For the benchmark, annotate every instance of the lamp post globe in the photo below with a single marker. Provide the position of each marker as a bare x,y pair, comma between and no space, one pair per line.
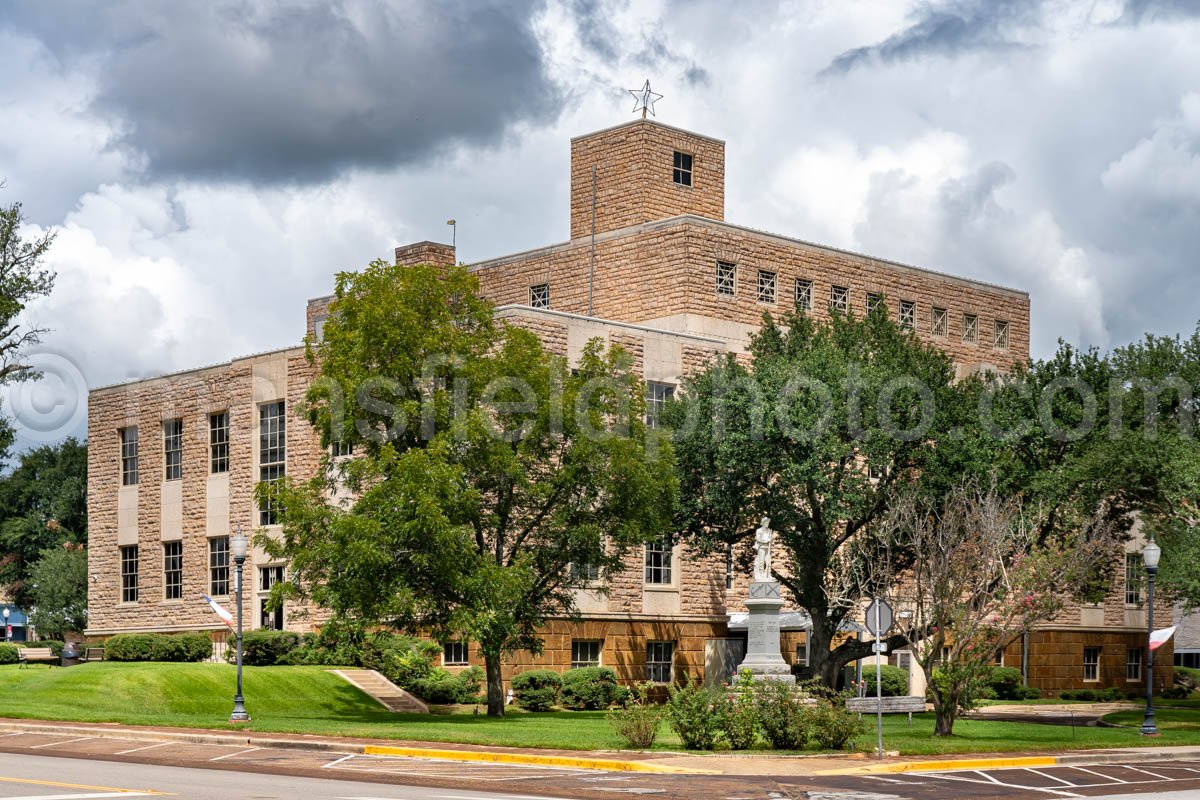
239,548
1150,556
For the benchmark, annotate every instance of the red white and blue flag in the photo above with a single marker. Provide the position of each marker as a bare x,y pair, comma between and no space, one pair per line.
1159,638
220,611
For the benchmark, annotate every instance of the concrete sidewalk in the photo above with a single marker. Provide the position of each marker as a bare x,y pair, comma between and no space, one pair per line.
665,763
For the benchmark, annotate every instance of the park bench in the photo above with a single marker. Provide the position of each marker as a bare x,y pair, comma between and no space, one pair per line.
888,705
31,655
95,653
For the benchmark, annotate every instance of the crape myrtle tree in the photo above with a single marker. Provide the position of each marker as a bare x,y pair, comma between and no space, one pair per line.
489,481
820,432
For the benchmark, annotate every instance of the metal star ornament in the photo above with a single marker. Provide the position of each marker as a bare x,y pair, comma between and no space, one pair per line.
645,99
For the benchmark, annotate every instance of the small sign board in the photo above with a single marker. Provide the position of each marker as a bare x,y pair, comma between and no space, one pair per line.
879,647
879,613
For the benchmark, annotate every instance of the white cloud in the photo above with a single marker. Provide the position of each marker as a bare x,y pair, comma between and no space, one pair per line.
1164,168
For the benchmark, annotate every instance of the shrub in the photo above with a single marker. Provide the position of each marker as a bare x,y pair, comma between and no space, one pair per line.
321,650
8,653
637,720
693,712
1006,683
780,710
1175,693
537,689
895,680
737,717
1111,695
1085,695
128,647
263,648
158,647
443,687
589,688
1030,693
830,725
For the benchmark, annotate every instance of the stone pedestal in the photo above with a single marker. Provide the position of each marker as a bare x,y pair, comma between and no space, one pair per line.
763,658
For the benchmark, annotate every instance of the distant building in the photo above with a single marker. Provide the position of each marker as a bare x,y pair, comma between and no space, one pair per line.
651,265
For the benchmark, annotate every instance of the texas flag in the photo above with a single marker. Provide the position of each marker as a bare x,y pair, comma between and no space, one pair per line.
1159,638
227,617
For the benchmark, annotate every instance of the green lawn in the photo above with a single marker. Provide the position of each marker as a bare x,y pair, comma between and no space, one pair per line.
311,700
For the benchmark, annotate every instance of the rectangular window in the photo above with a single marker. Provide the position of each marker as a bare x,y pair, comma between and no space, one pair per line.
1091,663
682,171
269,618
1133,664
585,573
585,653
657,395
129,456
218,566
939,322
970,328
766,286
908,314
129,574
658,561
218,442
839,299
454,654
802,653
341,449
173,570
173,449
272,453
728,567
803,294
874,300
539,295
726,278
1134,572
660,662
1000,335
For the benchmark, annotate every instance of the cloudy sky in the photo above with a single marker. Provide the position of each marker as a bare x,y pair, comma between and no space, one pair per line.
209,165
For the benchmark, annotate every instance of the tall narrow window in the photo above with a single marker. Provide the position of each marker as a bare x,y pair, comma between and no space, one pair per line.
766,286
728,567
658,561
1000,335
970,328
1091,663
681,172
908,314
218,566
173,449
539,295
129,456
1134,574
268,617
803,294
939,322
173,570
585,653
657,395
802,653
129,574
660,661
726,279
218,442
839,299
874,301
272,453
1133,664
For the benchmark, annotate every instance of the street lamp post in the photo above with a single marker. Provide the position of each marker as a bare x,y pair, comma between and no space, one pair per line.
1150,556
238,546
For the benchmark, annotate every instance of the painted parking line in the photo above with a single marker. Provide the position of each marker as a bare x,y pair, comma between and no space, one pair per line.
143,747
66,741
238,753
435,768
1064,781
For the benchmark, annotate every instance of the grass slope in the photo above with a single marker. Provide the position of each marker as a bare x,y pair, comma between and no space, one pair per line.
312,700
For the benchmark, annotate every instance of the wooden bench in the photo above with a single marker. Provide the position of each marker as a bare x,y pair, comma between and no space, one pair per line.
31,655
93,654
889,705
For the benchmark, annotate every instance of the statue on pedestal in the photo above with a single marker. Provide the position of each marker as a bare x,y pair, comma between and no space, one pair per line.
763,537
763,657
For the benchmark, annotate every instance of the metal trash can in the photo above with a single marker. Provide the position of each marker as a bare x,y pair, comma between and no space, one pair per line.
70,654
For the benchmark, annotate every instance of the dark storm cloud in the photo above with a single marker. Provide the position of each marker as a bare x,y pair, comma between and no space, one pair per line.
945,30
285,92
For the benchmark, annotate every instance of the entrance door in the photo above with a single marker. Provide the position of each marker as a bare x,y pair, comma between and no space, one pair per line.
721,659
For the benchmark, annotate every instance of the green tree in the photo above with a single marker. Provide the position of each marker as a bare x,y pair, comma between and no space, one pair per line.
43,503
490,479
820,433
58,584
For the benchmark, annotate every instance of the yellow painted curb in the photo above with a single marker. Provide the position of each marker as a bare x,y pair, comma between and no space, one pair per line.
571,762
947,765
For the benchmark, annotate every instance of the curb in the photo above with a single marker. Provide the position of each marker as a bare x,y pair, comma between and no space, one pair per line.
441,754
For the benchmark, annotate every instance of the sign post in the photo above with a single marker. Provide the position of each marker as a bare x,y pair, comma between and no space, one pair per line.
879,620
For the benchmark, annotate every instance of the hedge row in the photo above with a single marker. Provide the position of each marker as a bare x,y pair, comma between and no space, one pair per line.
178,647
585,688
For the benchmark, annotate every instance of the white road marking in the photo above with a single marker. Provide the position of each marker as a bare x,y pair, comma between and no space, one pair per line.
993,781
1146,772
238,753
55,744
1109,778
1063,781
144,747
79,796
335,762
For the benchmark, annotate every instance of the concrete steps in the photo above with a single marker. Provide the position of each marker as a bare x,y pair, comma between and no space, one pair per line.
389,695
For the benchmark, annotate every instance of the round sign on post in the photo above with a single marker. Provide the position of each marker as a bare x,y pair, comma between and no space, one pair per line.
879,612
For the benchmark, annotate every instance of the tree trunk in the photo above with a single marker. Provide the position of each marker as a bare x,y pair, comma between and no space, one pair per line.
495,685
945,710
825,667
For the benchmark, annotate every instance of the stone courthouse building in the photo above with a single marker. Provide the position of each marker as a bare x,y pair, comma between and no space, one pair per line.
652,265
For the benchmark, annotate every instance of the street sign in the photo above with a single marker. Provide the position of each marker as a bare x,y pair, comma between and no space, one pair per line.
879,647
879,613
